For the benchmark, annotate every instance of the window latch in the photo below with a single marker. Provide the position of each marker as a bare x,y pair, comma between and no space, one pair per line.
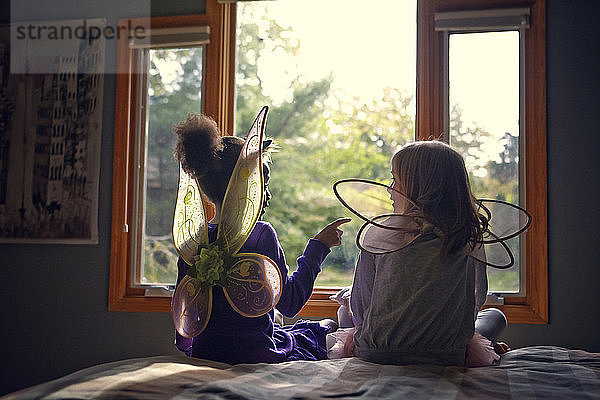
494,299
159,291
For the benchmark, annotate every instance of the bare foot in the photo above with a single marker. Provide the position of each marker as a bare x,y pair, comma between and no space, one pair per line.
501,348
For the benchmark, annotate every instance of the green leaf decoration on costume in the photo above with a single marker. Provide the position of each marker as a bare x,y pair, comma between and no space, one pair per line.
209,266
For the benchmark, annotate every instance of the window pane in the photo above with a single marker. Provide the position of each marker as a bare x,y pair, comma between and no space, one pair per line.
484,123
340,82
174,90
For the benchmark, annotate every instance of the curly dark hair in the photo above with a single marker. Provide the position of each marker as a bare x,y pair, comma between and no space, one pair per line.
205,154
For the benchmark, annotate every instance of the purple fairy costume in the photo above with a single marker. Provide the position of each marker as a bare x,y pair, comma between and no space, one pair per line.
232,338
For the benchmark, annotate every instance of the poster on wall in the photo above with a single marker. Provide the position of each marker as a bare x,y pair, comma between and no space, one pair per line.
51,93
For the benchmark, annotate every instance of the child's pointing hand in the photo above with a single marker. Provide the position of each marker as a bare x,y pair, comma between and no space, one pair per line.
331,235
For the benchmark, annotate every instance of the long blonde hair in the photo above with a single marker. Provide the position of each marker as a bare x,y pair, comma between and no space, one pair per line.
433,175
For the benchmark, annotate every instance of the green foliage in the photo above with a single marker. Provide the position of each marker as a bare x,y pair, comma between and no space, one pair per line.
492,179
174,85
160,262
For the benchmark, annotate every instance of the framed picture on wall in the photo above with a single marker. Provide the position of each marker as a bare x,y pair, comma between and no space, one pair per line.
51,93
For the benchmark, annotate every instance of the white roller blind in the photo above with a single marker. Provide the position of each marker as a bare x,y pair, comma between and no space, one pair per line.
482,20
172,37
236,1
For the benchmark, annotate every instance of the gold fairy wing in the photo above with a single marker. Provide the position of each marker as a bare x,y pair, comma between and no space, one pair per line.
244,196
189,221
253,285
191,307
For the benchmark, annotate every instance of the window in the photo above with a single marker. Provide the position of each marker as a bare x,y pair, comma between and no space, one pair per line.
179,67
221,77
329,123
453,90
170,84
483,106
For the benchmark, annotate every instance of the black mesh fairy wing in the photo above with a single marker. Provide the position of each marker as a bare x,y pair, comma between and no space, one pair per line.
505,222
385,231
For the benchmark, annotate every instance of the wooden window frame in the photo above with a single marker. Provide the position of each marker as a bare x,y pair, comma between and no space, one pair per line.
533,307
217,101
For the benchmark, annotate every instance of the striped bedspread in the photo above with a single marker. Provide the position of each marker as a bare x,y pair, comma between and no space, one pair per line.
541,372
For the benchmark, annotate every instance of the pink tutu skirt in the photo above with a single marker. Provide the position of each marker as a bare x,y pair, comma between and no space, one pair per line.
339,343
480,352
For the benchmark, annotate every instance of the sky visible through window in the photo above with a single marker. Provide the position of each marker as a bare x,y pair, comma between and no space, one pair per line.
366,46
484,83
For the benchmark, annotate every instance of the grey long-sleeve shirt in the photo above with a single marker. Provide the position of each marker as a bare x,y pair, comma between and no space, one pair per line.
412,307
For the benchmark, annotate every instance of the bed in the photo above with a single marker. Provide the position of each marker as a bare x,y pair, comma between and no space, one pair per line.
539,372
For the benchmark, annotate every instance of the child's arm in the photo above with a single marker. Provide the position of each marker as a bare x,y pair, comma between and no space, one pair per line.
297,288
331,235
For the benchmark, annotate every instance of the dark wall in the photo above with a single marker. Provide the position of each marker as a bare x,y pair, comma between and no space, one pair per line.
573,142
53,298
